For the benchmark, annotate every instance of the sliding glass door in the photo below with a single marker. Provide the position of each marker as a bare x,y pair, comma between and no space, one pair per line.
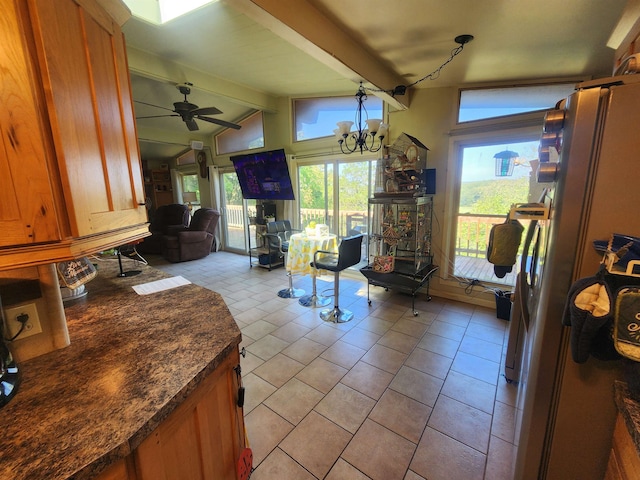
355,187
316,193
335,193
332,192
236,213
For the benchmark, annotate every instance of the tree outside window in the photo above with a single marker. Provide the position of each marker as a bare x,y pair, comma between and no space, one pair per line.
190,184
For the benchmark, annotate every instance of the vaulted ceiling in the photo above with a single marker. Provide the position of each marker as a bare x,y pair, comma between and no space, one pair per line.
241,55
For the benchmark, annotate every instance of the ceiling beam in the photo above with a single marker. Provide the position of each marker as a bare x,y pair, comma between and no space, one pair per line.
304,26
626,30
151,66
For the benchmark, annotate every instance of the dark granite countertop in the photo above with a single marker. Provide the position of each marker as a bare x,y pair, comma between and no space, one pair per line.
131,361
629,408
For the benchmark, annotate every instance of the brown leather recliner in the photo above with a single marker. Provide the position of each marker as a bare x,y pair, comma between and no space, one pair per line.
192,242
165,217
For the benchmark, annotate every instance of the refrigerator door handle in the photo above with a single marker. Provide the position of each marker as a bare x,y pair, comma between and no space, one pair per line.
523,294
523,286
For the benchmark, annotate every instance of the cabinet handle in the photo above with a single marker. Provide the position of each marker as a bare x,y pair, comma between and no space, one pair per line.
141,204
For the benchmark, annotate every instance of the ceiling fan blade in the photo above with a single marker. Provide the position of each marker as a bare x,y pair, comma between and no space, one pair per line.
152,105
220,122
191,125
158,116
206,111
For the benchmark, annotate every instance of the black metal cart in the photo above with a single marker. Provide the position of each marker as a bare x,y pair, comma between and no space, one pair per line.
404,282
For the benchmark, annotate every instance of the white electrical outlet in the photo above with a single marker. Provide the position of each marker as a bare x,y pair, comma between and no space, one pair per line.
32,325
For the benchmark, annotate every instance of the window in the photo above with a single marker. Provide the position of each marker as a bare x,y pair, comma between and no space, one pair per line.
317,117
162,11
483,197
335,192
249,137
483,103
236,214
190,184
480,193
190,190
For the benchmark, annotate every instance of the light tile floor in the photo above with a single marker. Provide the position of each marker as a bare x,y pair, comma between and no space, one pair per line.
385,396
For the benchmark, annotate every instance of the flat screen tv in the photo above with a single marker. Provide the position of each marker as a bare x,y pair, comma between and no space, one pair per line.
264,175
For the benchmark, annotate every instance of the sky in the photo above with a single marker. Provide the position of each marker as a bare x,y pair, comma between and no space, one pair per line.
479,162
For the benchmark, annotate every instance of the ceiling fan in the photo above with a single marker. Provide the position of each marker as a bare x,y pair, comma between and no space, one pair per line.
189,111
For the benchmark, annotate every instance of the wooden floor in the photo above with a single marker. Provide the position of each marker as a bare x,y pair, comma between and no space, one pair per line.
481,269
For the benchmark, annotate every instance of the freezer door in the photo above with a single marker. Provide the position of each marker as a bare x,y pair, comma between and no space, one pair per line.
585,412
543,351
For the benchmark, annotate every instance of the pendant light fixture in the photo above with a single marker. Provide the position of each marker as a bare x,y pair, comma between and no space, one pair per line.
370,138
363,139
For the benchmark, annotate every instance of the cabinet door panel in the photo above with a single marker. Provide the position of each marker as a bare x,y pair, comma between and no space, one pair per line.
107,99
200,440
218,416
121,470
27,212
128,121
87,115
57,28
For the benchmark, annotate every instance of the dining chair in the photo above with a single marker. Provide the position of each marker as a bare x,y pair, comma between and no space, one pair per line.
349,254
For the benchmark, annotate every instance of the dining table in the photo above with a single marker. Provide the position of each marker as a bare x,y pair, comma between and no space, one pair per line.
302,248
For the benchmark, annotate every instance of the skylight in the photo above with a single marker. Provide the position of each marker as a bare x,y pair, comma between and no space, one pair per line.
162,11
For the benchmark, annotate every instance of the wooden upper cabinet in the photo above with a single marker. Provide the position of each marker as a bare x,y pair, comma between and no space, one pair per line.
27,211
70,173
82,56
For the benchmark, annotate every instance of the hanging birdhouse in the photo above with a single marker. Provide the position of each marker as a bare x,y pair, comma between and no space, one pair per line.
505,161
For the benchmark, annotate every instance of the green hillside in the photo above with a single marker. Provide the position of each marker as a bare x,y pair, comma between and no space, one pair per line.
492,196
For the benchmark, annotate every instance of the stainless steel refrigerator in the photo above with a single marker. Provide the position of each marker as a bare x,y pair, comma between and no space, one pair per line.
565,411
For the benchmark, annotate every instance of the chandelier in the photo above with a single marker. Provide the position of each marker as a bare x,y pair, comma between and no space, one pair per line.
370,138
363,139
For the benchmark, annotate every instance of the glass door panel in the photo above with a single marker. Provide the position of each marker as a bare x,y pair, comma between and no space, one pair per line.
486,195
336,193
234,213
355,187
316,194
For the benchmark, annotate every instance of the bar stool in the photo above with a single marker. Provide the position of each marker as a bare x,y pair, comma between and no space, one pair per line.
349,254
278,234
314,300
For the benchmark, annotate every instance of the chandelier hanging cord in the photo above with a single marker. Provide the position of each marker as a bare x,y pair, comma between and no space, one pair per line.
462,40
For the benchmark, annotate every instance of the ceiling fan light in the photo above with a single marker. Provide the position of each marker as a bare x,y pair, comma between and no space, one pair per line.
189,111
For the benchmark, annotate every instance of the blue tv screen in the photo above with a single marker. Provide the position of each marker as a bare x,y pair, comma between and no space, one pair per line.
264,175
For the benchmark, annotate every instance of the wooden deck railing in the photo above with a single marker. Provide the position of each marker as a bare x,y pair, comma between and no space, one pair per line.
472,236
471,240
349,220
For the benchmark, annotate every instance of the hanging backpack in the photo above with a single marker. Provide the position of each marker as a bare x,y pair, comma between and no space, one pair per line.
504,242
